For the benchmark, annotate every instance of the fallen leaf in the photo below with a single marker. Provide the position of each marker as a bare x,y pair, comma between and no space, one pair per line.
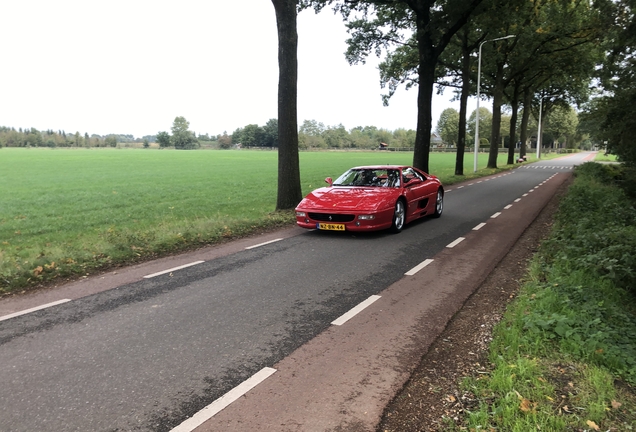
616,405
450,398
593,425
38,271
525,405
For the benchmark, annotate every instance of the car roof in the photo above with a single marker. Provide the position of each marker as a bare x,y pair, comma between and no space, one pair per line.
380,167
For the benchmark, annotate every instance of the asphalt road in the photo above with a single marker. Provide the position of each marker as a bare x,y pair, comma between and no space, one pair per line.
148,353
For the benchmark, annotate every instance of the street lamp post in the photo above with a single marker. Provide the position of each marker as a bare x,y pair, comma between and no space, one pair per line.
478,85
539,128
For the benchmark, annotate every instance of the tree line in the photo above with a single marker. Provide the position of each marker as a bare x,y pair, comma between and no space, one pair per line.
315,135
561,130
312,135
31,137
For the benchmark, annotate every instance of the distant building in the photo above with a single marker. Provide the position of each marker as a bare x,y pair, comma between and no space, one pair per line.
436,140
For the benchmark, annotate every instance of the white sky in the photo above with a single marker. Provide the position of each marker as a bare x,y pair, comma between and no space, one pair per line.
132,66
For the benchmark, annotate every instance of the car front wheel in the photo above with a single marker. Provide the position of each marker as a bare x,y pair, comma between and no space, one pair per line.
398,217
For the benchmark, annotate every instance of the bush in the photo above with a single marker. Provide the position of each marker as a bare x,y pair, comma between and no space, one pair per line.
596,227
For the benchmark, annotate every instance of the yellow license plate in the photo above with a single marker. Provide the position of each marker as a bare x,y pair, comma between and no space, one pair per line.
331,227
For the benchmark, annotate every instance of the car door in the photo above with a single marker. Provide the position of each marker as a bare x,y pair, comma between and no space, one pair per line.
419,192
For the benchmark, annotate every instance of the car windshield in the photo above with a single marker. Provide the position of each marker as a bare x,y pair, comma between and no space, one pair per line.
368,177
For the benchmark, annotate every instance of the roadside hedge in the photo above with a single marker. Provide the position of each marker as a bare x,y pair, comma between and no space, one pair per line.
595,228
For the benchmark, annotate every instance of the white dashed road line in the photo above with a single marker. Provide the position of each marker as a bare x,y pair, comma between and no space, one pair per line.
37,308
263,244
356,310
418,267
215,407
173,269
456,242
480,226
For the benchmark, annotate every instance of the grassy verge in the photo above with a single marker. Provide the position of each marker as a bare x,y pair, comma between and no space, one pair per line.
604,157
70,212
564,356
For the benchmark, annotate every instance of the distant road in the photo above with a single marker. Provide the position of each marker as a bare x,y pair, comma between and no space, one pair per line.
146,354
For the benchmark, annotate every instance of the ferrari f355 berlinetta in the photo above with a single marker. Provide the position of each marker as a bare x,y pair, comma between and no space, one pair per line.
369,198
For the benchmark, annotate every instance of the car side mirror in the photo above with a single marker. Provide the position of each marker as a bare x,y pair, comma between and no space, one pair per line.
329,180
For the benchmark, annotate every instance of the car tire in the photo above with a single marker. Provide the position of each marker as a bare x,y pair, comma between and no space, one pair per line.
399,217
439,203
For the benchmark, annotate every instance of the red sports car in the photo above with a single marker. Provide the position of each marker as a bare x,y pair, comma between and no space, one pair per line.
368,198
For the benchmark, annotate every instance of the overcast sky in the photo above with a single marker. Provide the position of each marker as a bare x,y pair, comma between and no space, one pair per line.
132,66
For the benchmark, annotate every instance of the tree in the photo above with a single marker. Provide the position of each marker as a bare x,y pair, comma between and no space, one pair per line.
382,24
289,191
163,138
111,140
237,136
182,138
404,138
458,61
360,139
562,123
312,128
485,124
252,136
270,133
614,109
448,126
337,137
225,141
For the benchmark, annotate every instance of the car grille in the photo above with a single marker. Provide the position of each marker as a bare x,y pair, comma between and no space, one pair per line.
329,217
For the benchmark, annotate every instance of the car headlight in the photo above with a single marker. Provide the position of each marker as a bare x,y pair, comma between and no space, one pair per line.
366,217
301,214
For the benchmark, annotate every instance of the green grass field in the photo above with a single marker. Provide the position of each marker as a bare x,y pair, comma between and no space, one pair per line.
73,211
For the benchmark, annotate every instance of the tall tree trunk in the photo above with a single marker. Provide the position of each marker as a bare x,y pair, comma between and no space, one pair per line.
495,133
512,143
424,120
527,103
463,110
426,70
289,190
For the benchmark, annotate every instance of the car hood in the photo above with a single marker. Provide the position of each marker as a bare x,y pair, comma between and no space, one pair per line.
349,198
